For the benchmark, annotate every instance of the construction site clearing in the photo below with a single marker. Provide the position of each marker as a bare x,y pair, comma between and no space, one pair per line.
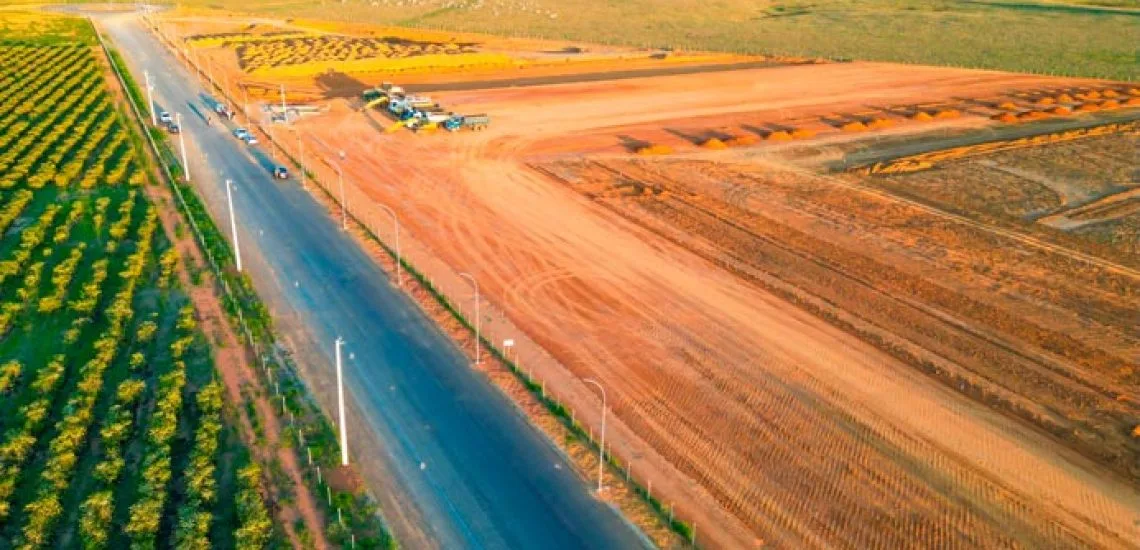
798,356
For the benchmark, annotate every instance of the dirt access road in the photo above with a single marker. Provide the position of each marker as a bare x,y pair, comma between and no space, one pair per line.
762,422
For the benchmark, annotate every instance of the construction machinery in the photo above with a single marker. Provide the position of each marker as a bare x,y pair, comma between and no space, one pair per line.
381,95
473,122
418,112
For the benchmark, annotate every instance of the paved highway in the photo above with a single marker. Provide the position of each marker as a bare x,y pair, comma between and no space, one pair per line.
480,476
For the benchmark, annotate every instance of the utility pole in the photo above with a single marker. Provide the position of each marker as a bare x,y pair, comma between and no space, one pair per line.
340,405
478,318
396,222
150,98
182,145
602,447
233,224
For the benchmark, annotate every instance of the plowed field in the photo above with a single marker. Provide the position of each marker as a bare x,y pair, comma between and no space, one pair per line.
791,360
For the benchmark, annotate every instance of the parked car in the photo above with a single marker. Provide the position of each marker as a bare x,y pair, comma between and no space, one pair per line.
280,173
173,127
250,139
165,117
241,133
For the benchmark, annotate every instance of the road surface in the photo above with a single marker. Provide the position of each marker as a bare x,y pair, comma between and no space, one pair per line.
478,474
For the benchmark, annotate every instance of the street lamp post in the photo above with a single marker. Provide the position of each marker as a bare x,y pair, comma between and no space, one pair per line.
182,145
340,405
396,222
272,147
150,98
478,318
233,224
284,113
343,204
245,104
602,447
301,154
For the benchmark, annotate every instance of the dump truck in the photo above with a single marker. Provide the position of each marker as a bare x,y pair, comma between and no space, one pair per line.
473,122
419,100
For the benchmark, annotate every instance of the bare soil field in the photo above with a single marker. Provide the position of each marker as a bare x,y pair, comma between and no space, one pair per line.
791,360
830,368
1083,193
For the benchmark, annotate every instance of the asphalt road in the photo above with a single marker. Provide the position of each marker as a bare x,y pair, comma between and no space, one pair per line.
480,476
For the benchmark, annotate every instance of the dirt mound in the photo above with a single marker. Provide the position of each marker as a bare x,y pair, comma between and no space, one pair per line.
1006,117
1045,101
779,135
1088,108
1109,93
880,123
1032,115
1065,98
854,126
1109,104
1007,105
921,116
655,150
714,143
1060,110
803,133
1132,101
742,140
1134,91
948,113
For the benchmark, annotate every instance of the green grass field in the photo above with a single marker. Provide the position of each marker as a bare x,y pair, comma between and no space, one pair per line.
1042,37
115,433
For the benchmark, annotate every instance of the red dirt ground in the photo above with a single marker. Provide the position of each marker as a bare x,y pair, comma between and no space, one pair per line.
758,419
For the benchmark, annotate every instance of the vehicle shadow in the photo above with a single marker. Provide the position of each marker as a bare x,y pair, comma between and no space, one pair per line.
264,160
209,101
196,111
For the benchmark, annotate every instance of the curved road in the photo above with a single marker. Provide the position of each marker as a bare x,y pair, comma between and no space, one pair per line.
478,474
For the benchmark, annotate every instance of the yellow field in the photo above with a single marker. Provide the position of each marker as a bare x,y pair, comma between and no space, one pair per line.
419,63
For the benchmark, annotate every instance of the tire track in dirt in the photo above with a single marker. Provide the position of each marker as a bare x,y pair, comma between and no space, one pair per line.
943,468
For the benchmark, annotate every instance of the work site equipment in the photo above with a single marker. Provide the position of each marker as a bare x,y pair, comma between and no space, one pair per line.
381,95
473,122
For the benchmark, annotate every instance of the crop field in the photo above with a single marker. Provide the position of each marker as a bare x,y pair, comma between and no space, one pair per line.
319,58
1033,36
116,432
256,55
